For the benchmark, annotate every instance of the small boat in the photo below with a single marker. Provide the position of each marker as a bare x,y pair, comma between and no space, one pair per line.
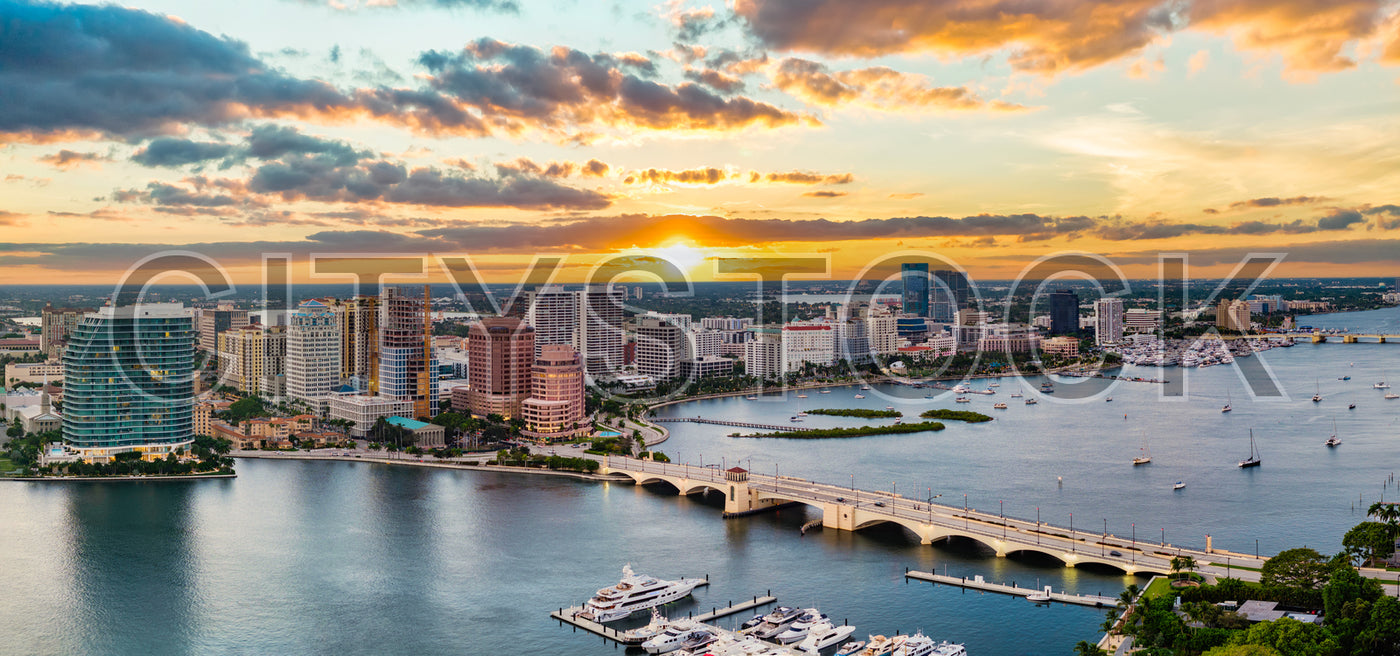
1345,378
1017,396
889,407
1228,407
1351,407
801,396
651,630
993,384
946,648
881,646
1000,406
1332,441
1178,485
851,648
962,399
1145,456
824,392
775,622
795,418
1382,385
698,640
1108,400
865,387
860,396
672,638
1317,398
1039,596
751,623
1031,401
751,398
823,635
1392,395
1253,460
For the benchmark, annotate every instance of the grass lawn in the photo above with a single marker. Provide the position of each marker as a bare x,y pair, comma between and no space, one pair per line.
1159,587
7,467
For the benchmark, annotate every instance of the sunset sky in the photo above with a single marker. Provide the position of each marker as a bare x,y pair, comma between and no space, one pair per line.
990,131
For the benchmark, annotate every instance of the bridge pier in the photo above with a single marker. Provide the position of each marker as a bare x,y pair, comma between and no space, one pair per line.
740,499
1319,339
1349,339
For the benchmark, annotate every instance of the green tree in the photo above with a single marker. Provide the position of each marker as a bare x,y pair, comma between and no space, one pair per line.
1182,564
1243,650
1086,648
1369,542
1293,638
1296,568
1382,634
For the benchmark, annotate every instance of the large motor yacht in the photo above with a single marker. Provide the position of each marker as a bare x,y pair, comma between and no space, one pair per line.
635,593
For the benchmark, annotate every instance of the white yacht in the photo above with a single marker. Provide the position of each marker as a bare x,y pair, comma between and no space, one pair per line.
799,628
823,635
825,391
851,648
1031,401
674,636
1040,596
1382,385
775,622
917,645
946,648
963,399
1000,406
651,630
635,593
860,396
881,646
1392,395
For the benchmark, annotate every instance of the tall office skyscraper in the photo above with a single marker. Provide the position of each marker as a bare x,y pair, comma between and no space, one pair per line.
407,370
359,341
661,345
1108,320
600,338
1064,312
129,382
553,313
502,355
915,278
951,294
213,321
313,354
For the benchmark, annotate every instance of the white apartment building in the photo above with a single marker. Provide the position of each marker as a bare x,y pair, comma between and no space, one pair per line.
1137,320
1108,321
365,410
313,354
808,342
763,354
589,320
661,345
881,333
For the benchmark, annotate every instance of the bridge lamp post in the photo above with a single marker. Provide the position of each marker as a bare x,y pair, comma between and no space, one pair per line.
1003,518
1134,542
1104,543
964,511
1037,524
1256,548
1073,544
1164,537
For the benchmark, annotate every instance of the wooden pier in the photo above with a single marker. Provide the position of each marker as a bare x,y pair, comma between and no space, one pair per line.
976,583
570,616
725,422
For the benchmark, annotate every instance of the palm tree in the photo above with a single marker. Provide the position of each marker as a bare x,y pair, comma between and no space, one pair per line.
1086,648
1388,513
1128,595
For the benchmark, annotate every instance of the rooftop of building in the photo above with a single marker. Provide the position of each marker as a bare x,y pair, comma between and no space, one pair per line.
411,424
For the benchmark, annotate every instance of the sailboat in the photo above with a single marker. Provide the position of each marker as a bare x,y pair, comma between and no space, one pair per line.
1317,398
1146,456
1333,441
1382,385
1253,460
1227,407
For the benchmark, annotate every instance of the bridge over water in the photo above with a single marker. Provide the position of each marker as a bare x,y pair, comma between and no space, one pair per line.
851,509
1316,338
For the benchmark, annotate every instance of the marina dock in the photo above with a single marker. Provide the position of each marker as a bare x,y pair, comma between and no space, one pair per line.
724,422
976,583
570,616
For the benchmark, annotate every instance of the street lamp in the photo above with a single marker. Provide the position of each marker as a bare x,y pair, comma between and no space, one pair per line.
1037,524
1103,544
1134,542
1073,544
1164,537
1003,518
964,511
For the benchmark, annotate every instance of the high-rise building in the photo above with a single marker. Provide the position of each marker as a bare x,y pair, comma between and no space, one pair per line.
313,354
358,319
706,343
1108,321
1233,315
553,313
56,324
555,409
590,320
763,354
1064,312
852,341
661,345
915,278
951,293
881,331
407,371
129,382
600,336
213,321
808,343
502,354
253,359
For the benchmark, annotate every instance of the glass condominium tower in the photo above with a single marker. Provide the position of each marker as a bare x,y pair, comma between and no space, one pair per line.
129,382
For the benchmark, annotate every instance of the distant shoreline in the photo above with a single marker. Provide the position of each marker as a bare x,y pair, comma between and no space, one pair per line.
467,466
114,479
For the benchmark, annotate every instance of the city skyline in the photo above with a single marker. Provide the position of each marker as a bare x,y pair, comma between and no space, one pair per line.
991,134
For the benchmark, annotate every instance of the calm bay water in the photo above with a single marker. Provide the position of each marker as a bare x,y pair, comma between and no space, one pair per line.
352,558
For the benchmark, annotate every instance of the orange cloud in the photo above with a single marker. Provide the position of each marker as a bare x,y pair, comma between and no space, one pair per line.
1311,35
66,159
1043,36
877,87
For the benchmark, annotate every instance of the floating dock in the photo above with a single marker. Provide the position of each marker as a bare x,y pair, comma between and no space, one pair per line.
976,583
570,616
